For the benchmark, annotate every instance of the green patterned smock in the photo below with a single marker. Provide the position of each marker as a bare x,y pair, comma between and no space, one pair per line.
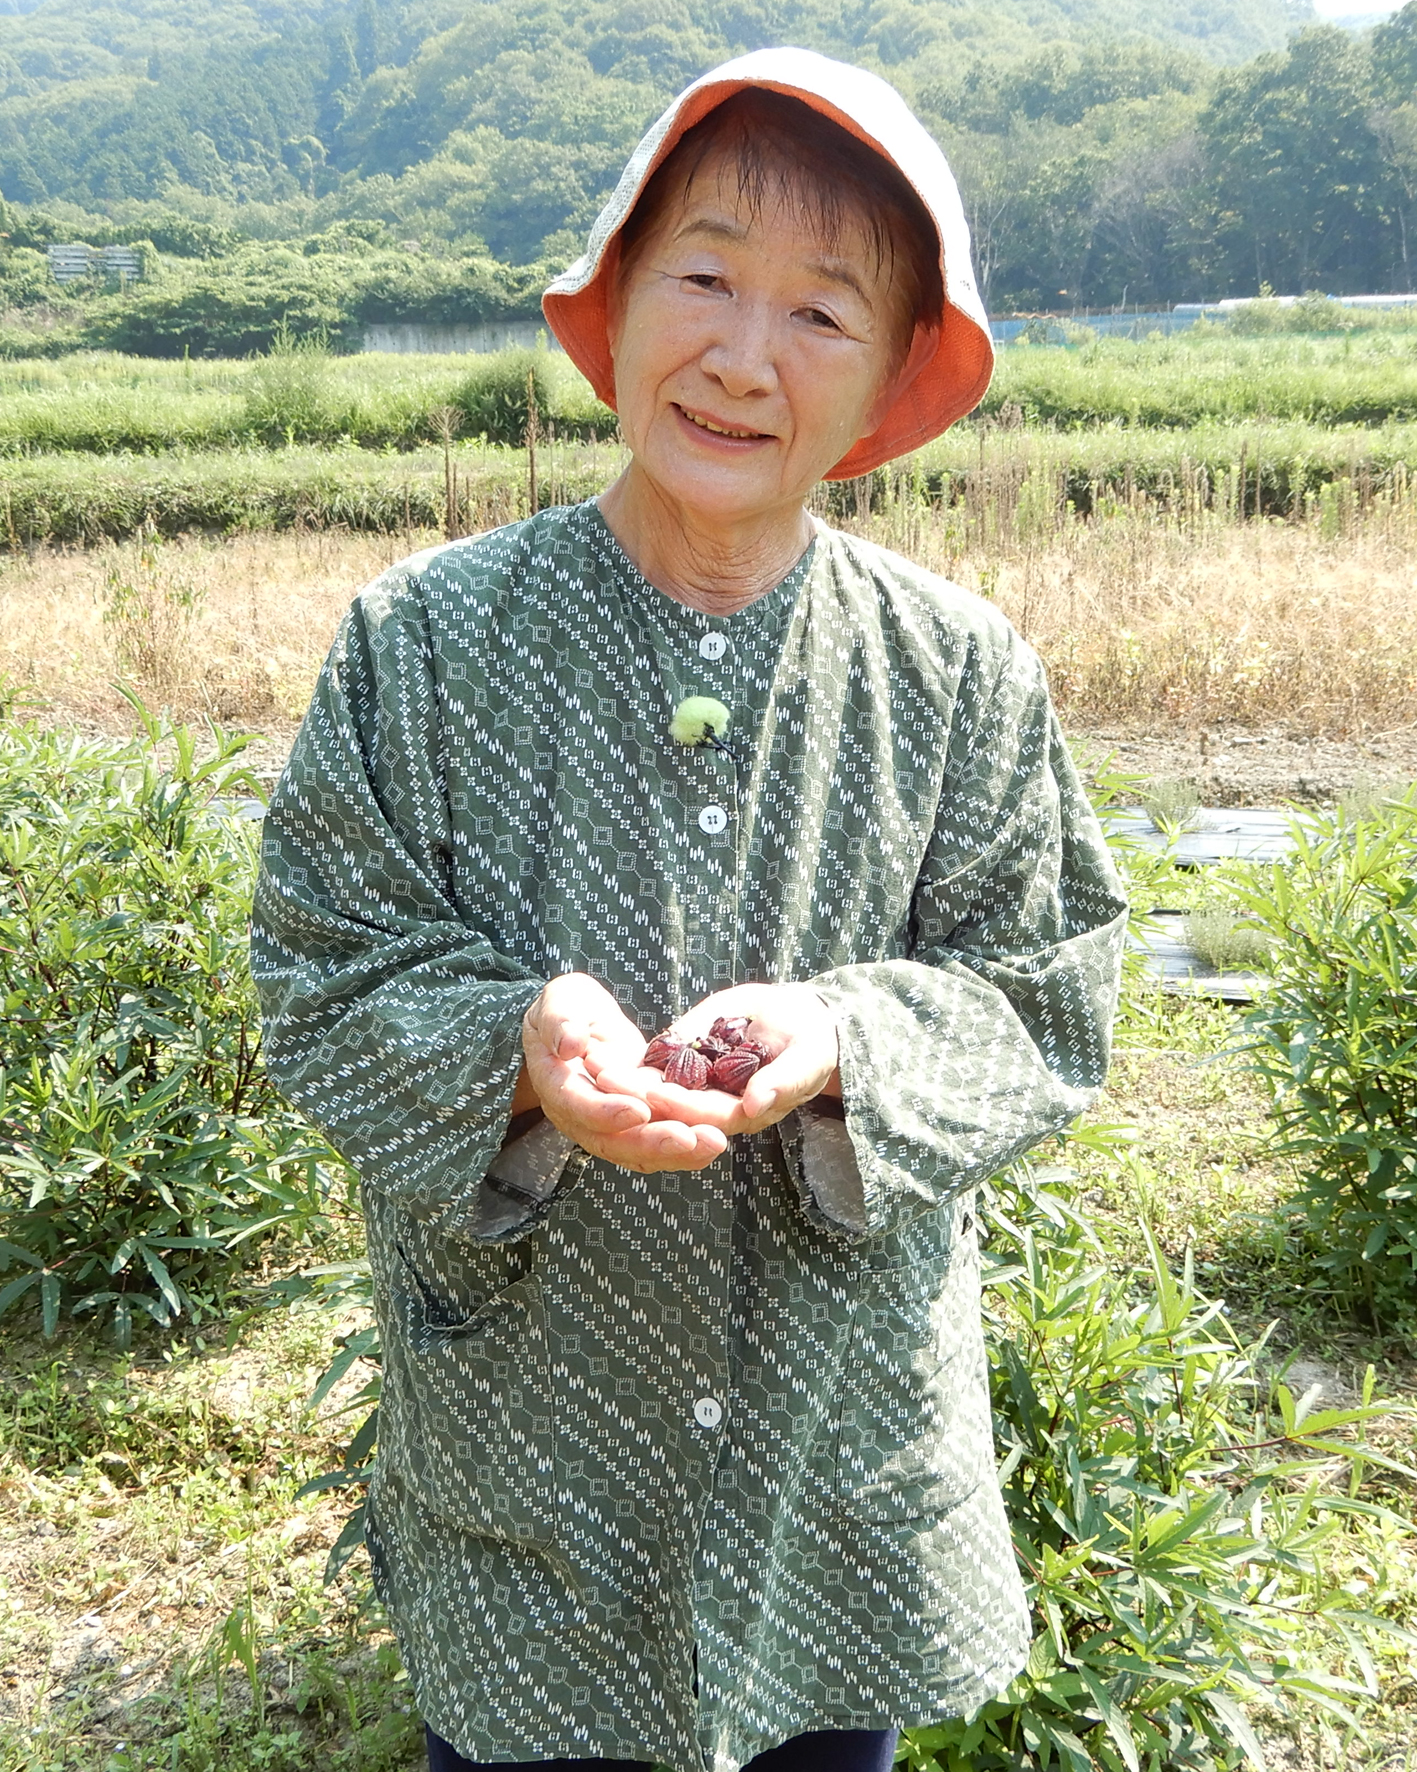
678,1466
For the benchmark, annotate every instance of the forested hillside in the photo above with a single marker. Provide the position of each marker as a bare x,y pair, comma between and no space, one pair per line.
1109,150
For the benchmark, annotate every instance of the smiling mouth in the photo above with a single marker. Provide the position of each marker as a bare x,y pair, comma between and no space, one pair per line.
707,424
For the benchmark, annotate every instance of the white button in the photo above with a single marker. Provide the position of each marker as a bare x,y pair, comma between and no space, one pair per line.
708,1412
713,646
712,820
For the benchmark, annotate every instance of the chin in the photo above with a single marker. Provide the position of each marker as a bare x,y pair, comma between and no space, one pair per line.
719,494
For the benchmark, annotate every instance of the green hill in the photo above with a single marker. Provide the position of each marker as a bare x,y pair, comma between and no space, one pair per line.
1109,150
271,101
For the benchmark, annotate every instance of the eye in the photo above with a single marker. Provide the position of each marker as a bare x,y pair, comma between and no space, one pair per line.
702,279
819,318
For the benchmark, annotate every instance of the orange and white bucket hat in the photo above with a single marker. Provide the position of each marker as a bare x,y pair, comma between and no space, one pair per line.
951,383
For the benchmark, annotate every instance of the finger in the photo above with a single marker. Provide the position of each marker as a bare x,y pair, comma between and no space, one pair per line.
569,1009
762,1095
565,1033
582,1098
695,1107
797,1074
663,1145
618,1077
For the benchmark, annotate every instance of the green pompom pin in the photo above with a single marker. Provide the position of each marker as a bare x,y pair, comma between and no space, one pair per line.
700,719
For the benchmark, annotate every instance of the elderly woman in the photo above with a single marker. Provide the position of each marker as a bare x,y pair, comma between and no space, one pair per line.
684,1449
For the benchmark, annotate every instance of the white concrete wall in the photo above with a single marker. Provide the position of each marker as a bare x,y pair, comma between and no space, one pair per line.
407,336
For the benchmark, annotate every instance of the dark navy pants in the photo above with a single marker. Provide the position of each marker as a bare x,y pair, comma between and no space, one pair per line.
828,1750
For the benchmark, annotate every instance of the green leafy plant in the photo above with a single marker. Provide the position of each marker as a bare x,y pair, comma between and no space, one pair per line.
1368,796
288,393
1170,1507
494,401
144,1153
1336,1041
344,1287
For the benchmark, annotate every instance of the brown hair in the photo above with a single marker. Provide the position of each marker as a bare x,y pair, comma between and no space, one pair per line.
782,148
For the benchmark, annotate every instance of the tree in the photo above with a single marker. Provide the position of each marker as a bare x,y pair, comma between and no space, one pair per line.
1394,52
1296,170
1396,132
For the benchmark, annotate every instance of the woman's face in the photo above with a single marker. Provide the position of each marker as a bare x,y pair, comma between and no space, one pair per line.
748,358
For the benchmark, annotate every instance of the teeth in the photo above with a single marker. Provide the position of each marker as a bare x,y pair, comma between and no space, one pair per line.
718,430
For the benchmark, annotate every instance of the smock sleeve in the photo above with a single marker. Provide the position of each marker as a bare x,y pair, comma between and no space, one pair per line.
995,1032
390,1017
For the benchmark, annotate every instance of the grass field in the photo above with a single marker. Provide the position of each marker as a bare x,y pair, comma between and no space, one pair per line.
1143,622
1190,542
100,402
102,446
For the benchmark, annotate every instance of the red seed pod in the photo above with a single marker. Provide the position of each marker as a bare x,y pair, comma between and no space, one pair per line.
732,1071
661,1049
687,1068
729,1029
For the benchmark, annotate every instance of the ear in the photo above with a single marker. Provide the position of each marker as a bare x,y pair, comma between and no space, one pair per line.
923,346
614,296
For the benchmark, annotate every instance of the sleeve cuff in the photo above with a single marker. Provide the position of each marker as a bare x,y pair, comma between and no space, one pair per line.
819,1152
526,1177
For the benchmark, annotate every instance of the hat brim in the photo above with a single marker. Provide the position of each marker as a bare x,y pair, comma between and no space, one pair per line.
951,383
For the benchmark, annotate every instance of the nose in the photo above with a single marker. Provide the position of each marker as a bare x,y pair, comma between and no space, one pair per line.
742,357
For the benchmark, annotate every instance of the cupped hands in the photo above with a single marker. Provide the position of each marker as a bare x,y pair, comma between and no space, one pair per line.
585,1064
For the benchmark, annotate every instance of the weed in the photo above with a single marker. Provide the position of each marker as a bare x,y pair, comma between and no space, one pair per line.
1164,1506
1171,805
143,1151
1226,941
1370,795
288,398
148,612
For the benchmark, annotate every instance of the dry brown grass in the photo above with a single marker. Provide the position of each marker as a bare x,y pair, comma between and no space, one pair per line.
1144,623
1151,624
234,629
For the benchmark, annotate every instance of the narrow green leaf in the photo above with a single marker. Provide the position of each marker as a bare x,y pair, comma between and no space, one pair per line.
1236,1726
49,1291
157,1267
1113,1720
345,1545
16,1290
364,1440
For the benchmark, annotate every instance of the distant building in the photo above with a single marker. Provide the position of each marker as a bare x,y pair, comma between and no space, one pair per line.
72,263
122,262
68,264
1193,310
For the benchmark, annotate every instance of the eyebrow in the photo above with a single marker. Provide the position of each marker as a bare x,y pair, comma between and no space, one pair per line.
835,270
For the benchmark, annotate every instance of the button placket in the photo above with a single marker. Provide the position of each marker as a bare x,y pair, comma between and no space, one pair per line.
711,808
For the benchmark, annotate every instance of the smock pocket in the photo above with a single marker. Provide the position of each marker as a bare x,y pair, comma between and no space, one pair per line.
913,1431
479,1445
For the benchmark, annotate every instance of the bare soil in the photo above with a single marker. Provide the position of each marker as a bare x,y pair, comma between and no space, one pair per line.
1259,766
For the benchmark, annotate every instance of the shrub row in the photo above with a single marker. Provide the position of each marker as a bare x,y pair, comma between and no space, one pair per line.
1019,476
71,498
1177,384
104,401
297,394
262,291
